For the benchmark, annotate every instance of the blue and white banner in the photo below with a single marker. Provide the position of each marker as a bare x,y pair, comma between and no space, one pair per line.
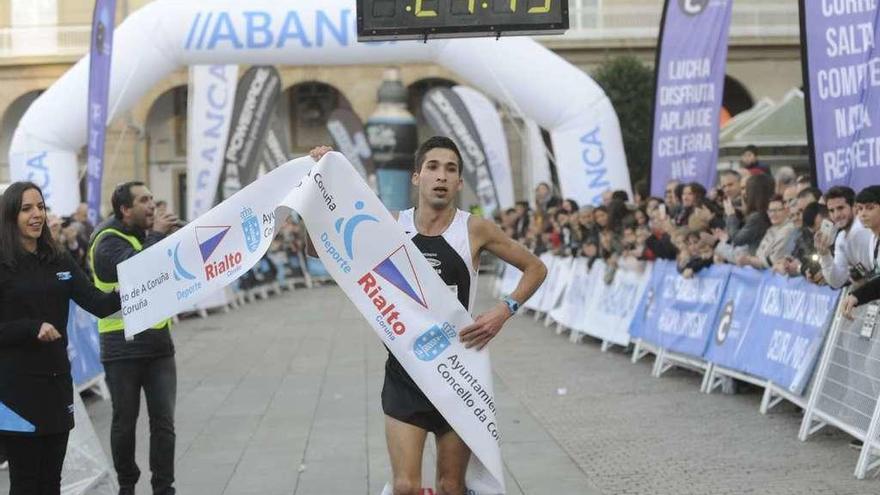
682,313
612,306
691,59
534,303
557,281
726,347
211,96
842,80
788,328
100,56
83,346
646,310
371,259
572,302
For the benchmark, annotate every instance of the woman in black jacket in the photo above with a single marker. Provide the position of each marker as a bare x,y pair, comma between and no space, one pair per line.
37,281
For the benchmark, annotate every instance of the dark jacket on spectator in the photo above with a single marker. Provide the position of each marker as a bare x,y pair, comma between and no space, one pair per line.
659,246
868,292
35,379
697,263
749,233
110,251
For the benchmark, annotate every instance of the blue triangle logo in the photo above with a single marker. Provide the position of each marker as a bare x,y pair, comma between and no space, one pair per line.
393,268
10,421
209,245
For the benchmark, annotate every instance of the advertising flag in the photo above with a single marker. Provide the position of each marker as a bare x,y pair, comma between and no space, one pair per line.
841,65
691,59
100,55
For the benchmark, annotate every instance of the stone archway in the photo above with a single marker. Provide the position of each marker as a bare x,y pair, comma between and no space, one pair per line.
305,108
8,123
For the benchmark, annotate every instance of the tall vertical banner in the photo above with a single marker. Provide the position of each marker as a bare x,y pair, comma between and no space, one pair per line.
491,131
100,55
276,149
691,58
211,95
841,66
449,116
257,93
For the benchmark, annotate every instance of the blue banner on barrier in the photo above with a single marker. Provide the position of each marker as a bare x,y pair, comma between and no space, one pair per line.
682,314
732,325
316,268
788,327
646,310
83,346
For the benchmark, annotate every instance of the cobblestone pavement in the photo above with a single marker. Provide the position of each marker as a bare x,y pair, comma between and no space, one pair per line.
632,433
282,396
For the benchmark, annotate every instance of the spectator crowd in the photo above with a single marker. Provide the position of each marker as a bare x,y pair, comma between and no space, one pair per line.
752,217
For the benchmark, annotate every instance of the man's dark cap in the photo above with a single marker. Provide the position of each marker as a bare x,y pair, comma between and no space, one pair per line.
870,194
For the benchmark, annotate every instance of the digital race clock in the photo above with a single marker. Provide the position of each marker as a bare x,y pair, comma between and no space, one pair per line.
423,19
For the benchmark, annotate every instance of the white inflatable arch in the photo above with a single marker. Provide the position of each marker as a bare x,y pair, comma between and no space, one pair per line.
166,34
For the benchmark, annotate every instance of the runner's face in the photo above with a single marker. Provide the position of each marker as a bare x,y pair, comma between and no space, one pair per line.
439,178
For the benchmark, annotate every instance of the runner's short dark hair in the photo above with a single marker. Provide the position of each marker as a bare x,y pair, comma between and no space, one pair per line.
433,143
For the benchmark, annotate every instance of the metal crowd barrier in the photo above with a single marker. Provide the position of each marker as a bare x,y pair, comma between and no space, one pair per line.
782,334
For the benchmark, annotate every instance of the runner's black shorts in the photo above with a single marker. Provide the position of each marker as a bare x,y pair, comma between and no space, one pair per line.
404,401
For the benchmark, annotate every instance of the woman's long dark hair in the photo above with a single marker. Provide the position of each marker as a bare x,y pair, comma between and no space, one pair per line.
11,247
759,189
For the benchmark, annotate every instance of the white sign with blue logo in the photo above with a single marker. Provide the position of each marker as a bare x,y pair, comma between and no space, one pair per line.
613,305
371,259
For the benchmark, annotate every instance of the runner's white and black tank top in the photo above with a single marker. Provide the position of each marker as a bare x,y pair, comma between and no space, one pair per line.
450,255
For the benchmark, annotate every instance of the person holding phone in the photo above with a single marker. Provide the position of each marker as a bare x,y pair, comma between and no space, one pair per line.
852,257
38,279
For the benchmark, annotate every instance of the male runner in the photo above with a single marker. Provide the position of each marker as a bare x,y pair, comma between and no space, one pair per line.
451,240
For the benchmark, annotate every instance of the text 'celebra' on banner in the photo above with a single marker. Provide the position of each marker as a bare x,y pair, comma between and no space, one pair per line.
689,90
371,259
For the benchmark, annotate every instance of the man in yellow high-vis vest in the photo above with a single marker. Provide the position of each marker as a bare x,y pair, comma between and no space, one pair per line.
146,363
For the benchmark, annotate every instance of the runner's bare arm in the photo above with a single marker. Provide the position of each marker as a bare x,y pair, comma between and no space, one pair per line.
485,235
